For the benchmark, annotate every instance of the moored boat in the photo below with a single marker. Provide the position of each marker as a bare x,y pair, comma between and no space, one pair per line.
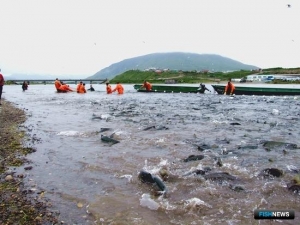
250,90
170,89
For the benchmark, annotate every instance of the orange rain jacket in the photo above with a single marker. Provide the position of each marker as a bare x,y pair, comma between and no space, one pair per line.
57,84
229,89
78,87
147,85
65,87
119,88
108,89
82,89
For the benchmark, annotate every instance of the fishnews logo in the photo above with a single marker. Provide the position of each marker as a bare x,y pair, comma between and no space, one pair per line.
262,214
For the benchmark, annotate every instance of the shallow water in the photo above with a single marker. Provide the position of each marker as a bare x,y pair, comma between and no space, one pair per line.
92,182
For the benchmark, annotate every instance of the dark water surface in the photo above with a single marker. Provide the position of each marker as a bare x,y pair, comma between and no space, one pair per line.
89,181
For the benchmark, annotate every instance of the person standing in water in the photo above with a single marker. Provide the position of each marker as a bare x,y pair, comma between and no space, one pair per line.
91,88
79,87
229,89
1,84
202,88
119,88
82,89
108,88
64,88
57,84
24,86
147,85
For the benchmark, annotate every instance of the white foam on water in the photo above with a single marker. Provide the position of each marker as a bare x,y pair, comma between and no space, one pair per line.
70,133
275,112
167,205
219,122
160,140
194,202
163,162
102,116
146,201
118,132
263,201
127,176
291,168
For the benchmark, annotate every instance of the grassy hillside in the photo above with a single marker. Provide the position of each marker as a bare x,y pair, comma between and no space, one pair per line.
280,70
137,76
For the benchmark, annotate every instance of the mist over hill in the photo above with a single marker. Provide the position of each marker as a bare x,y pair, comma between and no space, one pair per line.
173,61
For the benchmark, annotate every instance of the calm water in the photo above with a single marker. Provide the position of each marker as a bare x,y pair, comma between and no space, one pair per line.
92,182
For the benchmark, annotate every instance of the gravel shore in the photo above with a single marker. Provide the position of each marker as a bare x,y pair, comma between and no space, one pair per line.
18,204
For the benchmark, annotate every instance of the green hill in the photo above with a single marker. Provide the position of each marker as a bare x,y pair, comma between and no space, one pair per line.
137,76
173,61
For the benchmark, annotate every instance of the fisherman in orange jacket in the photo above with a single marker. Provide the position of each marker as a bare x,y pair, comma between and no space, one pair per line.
108,88
119,88
82,89
229,89
147,85
64,88
57,84
78,86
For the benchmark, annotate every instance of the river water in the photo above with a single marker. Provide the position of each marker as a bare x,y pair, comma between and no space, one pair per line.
89,181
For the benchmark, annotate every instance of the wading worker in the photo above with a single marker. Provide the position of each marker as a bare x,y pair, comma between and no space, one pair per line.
24,86
91,88
119,88
79,87
64,88
229,89
147,85
82,89
108,88
202,88
1,84
57,84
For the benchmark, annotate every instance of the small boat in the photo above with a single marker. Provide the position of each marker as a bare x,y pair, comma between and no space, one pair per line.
250,90
170,89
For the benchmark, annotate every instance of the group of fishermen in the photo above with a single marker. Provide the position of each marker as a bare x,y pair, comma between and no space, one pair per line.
61,87
229,88
119,88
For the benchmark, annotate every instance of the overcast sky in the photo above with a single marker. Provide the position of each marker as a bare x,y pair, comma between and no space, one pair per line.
81,37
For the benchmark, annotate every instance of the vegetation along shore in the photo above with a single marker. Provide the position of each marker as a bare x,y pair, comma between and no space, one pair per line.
161,76
18,203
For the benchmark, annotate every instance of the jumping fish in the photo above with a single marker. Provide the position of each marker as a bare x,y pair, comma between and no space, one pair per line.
149,178
271,172
108,139
294,188
104,129
219,176
159,127
194,158
274,144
